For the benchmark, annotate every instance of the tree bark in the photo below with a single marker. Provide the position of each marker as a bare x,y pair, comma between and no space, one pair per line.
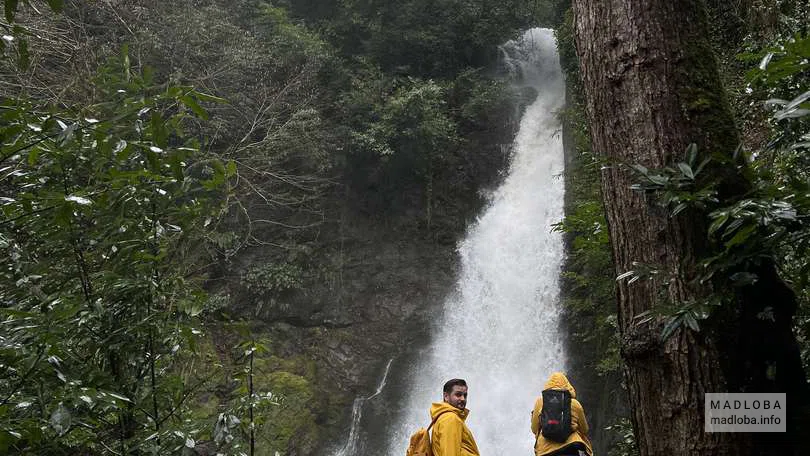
652,87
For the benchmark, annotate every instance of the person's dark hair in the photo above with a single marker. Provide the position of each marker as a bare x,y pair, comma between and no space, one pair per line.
448,387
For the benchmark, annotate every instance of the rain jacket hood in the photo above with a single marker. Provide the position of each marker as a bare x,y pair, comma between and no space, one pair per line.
559,381
579,425
439,407
451,436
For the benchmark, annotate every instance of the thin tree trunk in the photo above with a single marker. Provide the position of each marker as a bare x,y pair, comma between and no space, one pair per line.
652,88
251,393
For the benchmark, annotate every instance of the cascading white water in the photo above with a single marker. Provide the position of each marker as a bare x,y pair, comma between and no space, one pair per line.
350,449
500,330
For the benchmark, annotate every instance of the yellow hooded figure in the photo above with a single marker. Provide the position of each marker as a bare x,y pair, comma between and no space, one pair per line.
451,437
578,440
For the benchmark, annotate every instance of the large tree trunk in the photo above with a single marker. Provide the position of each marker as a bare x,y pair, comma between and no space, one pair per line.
652,88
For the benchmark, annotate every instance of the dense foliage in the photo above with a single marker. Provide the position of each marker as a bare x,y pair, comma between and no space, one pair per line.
426,38
98,285
774,220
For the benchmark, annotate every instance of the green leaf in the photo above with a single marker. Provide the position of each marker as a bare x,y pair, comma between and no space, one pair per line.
733,226
209,98
679,208
686,170
125,62
702,165
640,169
691,153
33,154
763,64
741,236
119,146
192,104
63,215
24,58
191,307
7,439
120,397
644,317
152,159
625,275
720,219
659,180
148,74
80,200
671,326
176,167
56,5
691,322
159,133
10,9
219,168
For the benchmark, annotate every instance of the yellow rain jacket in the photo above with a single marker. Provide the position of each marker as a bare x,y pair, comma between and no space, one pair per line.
578,423
451,437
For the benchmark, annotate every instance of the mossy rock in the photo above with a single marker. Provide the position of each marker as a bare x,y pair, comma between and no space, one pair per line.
290,426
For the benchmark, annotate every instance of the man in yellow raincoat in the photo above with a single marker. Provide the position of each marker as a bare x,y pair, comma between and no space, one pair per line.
578,440
451,436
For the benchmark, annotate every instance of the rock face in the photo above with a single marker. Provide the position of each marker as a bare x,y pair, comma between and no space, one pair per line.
386,278
349,333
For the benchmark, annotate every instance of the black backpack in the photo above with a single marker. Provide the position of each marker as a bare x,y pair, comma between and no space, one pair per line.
555,418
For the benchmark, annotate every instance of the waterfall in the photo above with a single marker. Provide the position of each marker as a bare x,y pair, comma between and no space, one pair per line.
500,328
351,447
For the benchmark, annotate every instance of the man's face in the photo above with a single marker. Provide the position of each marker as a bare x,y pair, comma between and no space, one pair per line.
457,397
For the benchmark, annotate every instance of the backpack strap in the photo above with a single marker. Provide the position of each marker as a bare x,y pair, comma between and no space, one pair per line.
437,418
539,427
